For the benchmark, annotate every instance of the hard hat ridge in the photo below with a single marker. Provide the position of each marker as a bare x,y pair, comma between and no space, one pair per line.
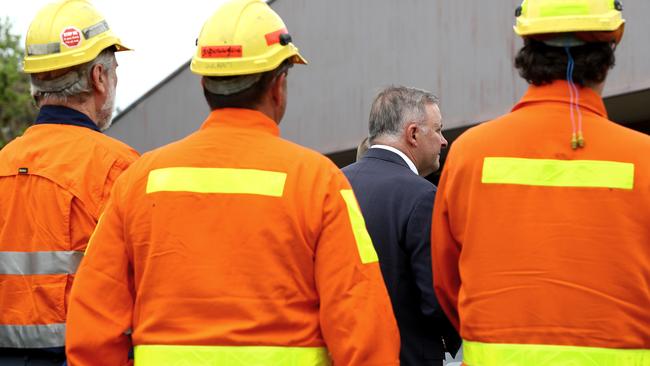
243,37
67,33
585,20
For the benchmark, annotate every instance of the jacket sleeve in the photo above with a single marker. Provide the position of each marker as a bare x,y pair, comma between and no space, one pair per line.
356,316
418,247
101,301
445,253
116,169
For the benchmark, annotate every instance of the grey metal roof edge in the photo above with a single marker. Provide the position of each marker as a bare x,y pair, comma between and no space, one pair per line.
155,88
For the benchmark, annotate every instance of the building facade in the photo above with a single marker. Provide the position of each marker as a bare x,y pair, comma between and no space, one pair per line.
462,50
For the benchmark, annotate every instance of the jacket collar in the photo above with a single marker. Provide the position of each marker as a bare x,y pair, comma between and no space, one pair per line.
385,155
60,115
558,91
241,118
399,153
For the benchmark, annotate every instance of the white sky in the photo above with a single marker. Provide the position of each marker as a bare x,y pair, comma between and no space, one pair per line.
162,33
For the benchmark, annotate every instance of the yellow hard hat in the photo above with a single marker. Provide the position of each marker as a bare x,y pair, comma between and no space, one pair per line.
67,33
243,37
535,17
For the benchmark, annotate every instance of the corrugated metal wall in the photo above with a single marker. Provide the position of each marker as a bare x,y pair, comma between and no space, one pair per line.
462,50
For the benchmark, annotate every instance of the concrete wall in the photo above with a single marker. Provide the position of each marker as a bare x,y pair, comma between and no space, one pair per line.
462,50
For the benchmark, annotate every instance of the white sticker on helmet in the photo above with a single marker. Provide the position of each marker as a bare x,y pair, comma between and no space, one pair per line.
71,37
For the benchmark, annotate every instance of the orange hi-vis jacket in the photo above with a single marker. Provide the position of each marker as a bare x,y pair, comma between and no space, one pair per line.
232,247
541,253
54,182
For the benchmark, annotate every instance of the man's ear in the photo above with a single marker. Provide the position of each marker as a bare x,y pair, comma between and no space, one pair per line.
278,88
411,134
99,78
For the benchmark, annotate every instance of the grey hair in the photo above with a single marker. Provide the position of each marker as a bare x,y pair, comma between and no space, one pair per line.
394,107
73,84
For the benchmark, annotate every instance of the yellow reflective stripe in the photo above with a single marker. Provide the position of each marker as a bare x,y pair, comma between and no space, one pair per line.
557,9
500,354
217,180
558,173
160,355
364,243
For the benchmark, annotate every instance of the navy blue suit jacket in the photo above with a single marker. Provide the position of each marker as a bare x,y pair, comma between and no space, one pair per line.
397,205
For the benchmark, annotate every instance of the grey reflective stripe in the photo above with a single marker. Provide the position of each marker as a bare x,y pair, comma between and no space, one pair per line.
32,336
95,29
43,49
55,47
39,263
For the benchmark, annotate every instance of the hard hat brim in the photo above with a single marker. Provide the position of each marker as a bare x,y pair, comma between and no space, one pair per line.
298,59
55,61
245,66
120,47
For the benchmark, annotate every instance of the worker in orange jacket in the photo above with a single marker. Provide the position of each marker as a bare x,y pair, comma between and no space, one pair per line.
541,226
233,246
56,178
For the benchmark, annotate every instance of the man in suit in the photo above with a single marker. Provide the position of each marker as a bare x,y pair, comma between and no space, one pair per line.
405,137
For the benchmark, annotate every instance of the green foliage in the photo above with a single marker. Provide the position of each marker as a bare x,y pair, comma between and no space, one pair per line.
17,109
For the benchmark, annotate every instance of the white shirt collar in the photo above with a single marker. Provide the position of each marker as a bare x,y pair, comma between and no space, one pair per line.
401,154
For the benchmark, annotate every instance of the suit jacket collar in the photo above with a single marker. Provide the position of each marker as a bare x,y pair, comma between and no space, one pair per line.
386,155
